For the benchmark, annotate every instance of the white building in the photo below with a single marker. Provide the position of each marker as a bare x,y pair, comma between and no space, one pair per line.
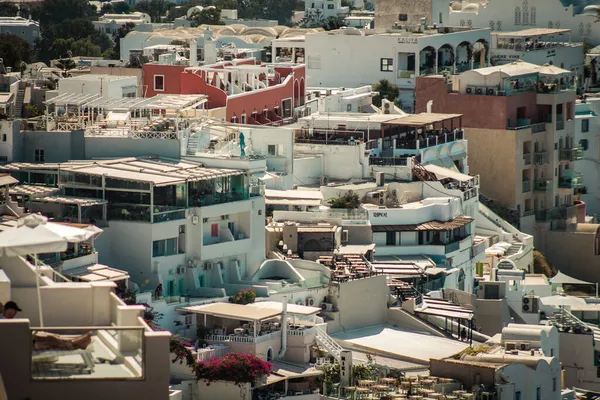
318,11
351,58
111,341
26,29
110,23
587,136
107,86
539,46
513,15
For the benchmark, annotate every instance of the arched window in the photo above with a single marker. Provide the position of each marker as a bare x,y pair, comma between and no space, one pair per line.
532,16
517,15
525,13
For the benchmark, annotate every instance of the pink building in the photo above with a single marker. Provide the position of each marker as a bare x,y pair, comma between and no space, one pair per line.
249,93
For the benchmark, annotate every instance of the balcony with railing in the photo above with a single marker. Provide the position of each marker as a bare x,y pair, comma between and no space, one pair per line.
547,215
429,141
526,186
540,157
87,353
527,158
571,154
570,180
542,185
560,125
535,128
389,161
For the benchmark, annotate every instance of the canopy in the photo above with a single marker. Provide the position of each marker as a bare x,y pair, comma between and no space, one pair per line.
31,236
563,279
72,234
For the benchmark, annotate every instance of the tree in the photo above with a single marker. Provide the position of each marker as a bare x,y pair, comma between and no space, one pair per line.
208,16
117,8
156,9
386,90
85,47
8,10
65,64
14,50
333,23
244,296
349,200
56,11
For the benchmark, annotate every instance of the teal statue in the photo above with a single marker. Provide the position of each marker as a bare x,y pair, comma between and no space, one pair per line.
242,146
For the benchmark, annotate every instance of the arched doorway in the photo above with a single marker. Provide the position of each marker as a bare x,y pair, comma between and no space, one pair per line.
296,93
302,93
481,53
270,354
427,61
445,58
464,55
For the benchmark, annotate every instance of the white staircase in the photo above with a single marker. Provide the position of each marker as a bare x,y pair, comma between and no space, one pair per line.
327,342
515,247
192,145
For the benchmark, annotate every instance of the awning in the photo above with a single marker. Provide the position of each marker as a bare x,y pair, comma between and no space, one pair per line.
234,311
6,179
97,273
293,202
446,173
563,279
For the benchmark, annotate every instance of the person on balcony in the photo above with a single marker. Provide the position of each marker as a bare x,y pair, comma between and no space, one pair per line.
10,310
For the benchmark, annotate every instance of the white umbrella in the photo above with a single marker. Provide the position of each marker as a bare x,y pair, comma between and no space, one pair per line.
32,236
73,234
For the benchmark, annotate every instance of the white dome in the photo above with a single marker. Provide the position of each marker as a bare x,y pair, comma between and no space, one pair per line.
591,10
471,7
456,6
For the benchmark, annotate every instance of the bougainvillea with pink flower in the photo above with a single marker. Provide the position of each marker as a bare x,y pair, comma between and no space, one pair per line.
234,367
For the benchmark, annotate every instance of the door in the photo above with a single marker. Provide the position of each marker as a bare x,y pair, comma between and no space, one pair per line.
181,286
170,288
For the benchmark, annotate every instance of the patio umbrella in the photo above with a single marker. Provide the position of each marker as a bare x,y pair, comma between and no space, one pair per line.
72,234
32,236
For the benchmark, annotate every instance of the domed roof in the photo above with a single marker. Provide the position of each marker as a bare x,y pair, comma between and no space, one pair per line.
591,10
471,7
456,5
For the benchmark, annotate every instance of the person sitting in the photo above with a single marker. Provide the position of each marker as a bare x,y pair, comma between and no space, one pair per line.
10,310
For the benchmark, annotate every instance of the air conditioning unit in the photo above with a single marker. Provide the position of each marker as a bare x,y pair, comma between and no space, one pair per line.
491,91
381,201
326,306
208,266
479,90
530,304
180,270
469,90
524,346
510,346
195,219
310,301
205,220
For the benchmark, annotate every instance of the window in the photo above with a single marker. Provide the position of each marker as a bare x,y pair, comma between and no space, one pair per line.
164,247
584,144
272,150
4,137
330,6
517,395
214,230
234,119
387,64
403,17
554,384
538,393
201,280
243,118
39,155
390,238
585,125
517,15
159,83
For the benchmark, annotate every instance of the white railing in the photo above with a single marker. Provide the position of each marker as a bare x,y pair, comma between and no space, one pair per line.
208,353
301,332
244,339
328,343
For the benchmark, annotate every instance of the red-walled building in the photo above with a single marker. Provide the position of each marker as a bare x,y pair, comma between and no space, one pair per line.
251,93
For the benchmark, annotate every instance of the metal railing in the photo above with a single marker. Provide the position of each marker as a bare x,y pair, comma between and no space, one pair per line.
560,125
336,142
540,157
450,247
526,186
527,158
571,181
571,154
546,215
535,128
430,141
389,161
542,185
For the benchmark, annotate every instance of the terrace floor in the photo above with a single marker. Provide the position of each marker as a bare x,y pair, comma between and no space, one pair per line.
404,344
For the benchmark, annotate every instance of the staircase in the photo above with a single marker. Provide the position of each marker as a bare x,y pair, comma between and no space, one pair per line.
192,145
327,342
515,247
19,102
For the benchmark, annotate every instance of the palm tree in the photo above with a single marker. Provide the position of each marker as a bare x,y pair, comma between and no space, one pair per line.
65,64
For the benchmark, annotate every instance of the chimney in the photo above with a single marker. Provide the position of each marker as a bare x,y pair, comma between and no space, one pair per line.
193,53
